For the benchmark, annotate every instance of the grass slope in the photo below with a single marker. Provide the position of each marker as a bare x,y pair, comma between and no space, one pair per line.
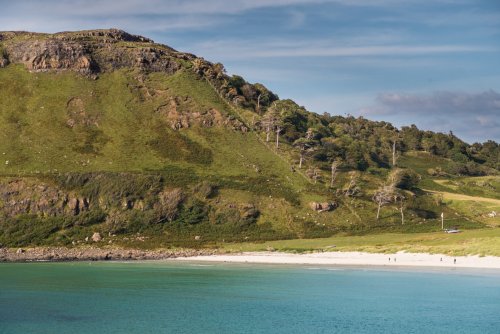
56,123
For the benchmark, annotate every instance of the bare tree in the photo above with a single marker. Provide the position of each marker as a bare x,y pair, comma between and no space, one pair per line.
258,103
395,154
383,196
352,188
399,197
278,130
268,124
335,165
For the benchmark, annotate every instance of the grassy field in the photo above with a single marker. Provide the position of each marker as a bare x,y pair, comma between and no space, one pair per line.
482,186
478,242
482,209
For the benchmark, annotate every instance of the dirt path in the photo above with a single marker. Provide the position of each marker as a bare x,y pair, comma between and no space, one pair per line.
461,197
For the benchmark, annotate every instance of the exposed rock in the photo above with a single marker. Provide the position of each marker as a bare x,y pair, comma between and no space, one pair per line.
315,206
94,254
197,237
88,52
96,237
22,196
321,207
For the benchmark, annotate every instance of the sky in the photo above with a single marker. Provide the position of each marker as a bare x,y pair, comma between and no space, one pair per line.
432,63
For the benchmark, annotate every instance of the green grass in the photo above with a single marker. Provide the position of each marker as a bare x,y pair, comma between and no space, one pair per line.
484,186
480,242
107,139
124,131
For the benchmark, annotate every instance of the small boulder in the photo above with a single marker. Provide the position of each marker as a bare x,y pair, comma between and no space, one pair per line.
96,237
315,206
20,251
321,207
197,237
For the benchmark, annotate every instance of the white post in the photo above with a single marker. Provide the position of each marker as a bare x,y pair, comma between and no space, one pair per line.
442,220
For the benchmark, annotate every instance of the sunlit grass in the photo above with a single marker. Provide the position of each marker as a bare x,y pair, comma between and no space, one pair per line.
478,242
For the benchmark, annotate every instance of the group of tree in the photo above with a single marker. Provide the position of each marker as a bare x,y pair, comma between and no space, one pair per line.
359,143
396,190
356,143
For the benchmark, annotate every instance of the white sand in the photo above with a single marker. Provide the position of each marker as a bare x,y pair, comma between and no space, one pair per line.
355,258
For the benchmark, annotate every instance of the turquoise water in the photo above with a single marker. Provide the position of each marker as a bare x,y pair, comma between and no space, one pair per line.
229,298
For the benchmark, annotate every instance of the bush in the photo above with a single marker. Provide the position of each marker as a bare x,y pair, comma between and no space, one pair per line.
193,212
404,178
168,203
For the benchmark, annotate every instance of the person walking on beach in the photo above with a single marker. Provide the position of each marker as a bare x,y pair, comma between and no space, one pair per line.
454,261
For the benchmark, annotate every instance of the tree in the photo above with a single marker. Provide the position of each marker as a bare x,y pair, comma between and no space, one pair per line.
383,196
399,197
305,145
264,98
335,165
268,124
395,155
278,128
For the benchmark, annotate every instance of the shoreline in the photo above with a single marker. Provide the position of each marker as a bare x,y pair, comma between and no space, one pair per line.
399,259
64,254
333,258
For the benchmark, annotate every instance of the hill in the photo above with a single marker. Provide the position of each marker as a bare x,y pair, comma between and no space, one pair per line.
103,132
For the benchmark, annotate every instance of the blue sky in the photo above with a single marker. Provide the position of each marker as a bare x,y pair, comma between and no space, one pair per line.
435,64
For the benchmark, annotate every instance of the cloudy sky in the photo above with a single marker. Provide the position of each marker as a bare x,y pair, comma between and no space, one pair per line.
433,63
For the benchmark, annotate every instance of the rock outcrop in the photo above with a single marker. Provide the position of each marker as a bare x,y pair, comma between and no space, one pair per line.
20,196
87,52
321,207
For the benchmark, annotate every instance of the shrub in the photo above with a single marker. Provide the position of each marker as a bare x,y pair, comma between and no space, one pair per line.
404,178
168,203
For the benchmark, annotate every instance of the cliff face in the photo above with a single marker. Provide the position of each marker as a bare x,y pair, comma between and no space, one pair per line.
24,196
87,52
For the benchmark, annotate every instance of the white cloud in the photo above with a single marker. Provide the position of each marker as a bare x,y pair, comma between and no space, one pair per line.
324,48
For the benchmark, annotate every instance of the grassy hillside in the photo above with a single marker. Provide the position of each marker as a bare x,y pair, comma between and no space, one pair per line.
170,151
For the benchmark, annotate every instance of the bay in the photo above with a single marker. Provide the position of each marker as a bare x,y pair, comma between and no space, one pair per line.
170,297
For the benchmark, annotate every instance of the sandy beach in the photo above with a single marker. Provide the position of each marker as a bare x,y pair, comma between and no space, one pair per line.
354,258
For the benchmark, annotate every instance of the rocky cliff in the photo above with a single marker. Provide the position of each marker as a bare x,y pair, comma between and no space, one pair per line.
87,52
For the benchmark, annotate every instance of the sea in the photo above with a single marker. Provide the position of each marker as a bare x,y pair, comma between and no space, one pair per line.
179,297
